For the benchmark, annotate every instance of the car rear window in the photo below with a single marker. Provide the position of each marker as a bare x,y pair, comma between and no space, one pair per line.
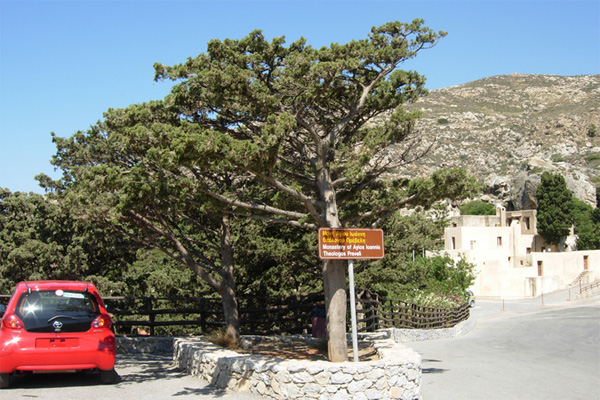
57,311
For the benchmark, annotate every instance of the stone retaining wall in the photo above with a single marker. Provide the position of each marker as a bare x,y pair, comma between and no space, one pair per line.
417,335
396,375
144,344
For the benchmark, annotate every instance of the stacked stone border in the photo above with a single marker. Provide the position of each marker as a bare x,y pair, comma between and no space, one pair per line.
395,375
417,335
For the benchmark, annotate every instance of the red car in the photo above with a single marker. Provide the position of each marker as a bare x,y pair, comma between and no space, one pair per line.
56,326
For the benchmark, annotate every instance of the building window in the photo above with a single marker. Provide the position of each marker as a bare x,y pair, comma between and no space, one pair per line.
453,243
526,220
473,244
540,266
528,250
499,241
585,263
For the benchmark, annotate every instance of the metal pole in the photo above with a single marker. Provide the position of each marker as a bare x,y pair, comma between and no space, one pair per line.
353,309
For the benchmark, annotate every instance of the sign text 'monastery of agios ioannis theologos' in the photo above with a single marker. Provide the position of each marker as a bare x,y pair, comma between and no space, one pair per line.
350,244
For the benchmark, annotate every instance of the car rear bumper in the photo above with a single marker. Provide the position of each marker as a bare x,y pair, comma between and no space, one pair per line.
88,354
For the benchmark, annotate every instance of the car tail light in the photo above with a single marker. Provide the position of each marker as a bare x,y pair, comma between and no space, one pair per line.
102,321
12,322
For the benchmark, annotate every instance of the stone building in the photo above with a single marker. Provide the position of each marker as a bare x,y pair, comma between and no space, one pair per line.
512,260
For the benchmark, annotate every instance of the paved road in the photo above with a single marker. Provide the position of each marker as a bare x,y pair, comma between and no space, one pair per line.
528,351
142,377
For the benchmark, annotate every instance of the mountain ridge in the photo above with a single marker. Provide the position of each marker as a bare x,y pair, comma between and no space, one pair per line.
507,129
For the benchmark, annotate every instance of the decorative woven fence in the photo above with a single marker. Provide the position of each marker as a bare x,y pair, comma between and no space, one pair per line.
375,313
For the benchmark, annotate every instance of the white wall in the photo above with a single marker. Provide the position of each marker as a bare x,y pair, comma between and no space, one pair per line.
508,267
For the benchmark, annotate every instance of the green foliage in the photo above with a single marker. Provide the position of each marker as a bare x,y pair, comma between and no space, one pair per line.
277,260
477,207
555,208
40,239
592,130
424,278
153,273
434,300
587,225
295,119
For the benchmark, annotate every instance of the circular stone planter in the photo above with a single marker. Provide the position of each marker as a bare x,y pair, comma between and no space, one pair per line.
395,375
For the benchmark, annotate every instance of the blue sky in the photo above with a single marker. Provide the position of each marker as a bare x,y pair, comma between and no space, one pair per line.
63,63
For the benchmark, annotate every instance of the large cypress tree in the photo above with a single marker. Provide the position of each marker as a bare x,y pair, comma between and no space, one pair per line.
555,208
290,135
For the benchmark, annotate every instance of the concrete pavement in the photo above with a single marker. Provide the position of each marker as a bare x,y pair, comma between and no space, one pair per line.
142,377
519,349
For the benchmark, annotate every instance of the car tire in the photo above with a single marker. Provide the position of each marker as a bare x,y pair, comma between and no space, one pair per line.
4,381
108,377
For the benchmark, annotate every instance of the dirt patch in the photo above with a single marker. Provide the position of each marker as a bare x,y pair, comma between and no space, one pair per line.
298,349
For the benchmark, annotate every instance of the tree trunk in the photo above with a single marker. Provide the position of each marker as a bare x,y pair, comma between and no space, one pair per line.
334,282
232,318
334,276
227,288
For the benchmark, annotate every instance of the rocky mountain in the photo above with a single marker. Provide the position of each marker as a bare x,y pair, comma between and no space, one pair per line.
506,130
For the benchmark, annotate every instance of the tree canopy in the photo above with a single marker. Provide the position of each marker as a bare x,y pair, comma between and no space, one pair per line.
587,225
555,208
41,239
288,135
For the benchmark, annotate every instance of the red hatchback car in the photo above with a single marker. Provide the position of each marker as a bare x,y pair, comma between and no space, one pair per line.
56,326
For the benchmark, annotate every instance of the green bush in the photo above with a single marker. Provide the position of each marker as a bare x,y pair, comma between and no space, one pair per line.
592,131
477,207
587,228
434,280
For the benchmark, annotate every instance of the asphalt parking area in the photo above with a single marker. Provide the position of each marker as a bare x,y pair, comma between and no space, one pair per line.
527,352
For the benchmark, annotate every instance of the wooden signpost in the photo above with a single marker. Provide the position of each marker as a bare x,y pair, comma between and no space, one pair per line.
351,244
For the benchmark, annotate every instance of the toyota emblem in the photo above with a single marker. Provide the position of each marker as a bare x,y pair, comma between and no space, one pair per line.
57,325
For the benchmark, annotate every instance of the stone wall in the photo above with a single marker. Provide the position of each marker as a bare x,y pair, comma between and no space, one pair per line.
144,344
395,375
417,335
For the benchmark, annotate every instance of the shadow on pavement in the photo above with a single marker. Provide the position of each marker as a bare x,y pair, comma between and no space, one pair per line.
53,380
432,370
146,367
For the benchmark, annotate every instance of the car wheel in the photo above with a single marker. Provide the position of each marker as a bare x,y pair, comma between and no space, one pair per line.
108,377
4,381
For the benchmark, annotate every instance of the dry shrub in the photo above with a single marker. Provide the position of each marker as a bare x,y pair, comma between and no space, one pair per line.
221,338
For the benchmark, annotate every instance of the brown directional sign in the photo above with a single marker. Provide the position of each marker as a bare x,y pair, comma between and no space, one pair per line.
350,244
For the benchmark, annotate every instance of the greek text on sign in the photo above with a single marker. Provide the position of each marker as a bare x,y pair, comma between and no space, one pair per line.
350,244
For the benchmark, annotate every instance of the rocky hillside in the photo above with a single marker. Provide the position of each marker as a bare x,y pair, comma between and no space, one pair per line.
506,130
